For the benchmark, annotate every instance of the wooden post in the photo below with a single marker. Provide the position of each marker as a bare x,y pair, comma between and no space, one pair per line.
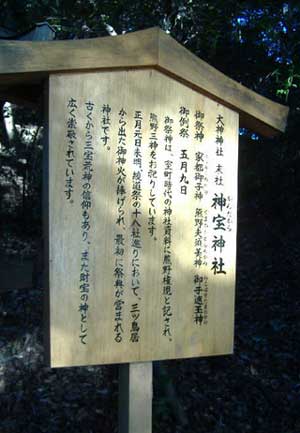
135,397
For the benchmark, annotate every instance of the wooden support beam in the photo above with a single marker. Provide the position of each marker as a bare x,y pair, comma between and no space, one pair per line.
135,397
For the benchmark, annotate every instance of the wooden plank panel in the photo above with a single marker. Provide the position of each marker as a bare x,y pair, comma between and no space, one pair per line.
29,62
162,285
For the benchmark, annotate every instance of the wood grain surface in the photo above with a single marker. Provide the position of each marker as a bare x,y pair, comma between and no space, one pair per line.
160,335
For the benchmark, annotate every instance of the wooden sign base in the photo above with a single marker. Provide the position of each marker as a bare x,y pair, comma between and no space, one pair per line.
135,397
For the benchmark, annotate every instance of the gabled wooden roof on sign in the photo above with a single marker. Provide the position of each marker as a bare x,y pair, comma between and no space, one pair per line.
24,66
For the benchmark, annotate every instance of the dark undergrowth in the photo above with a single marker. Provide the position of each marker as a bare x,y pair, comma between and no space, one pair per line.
255,390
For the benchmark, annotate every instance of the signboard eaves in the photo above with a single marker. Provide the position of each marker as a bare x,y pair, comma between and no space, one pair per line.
28,63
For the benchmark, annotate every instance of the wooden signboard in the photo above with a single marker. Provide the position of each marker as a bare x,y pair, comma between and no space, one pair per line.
140,200
141,193
142,219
